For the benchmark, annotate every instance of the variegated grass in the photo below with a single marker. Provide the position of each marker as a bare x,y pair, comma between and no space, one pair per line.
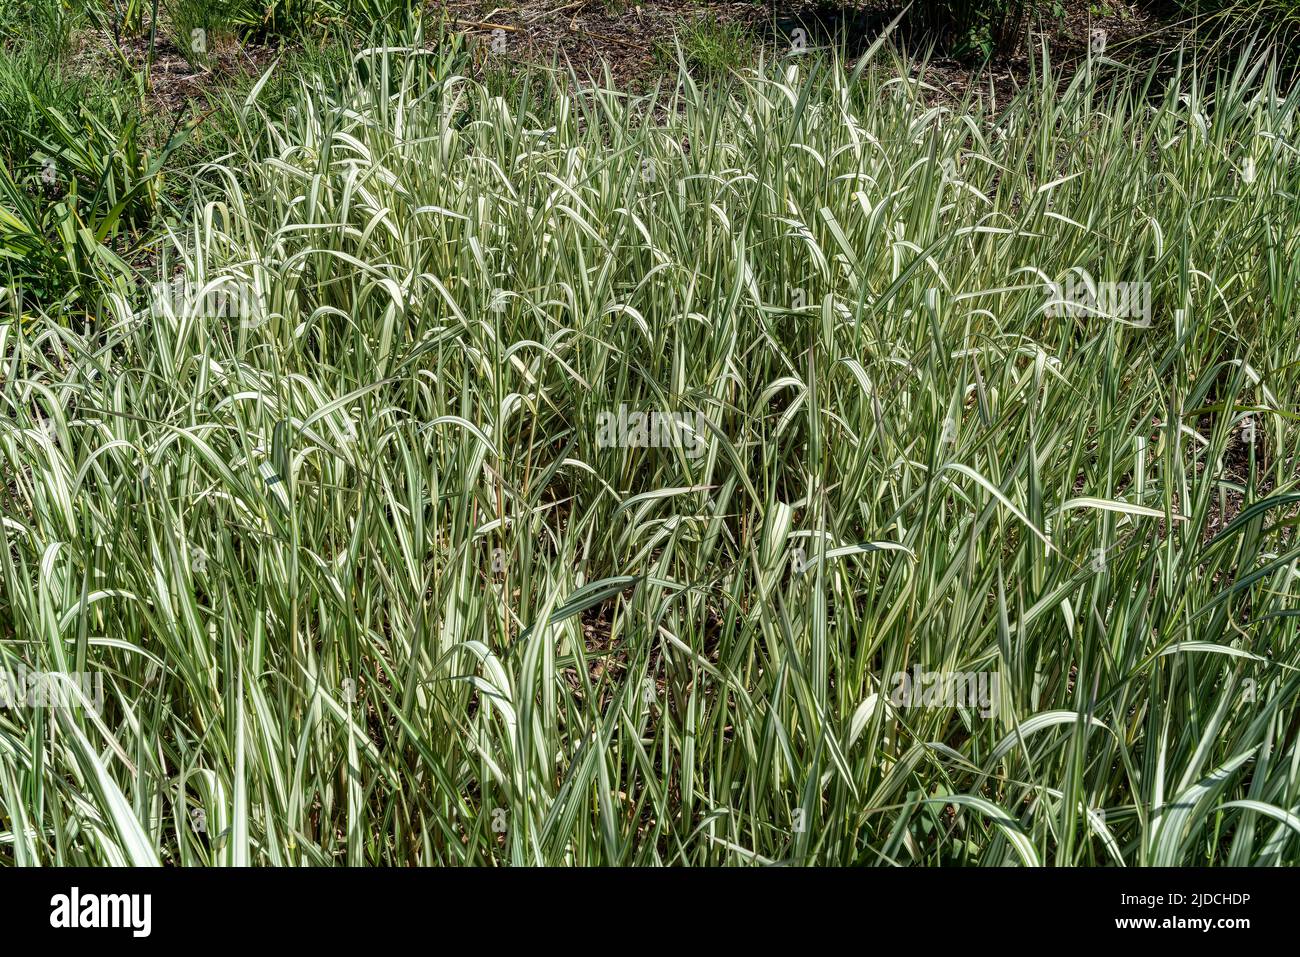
365,588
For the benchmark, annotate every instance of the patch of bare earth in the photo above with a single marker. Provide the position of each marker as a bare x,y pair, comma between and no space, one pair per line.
175,84
592,35
629,38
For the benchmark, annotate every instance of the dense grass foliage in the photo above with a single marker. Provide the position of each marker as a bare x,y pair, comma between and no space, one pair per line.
334,521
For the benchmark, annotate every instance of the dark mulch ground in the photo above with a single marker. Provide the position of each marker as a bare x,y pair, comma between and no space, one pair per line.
631,39
634,41
173,81
590,35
